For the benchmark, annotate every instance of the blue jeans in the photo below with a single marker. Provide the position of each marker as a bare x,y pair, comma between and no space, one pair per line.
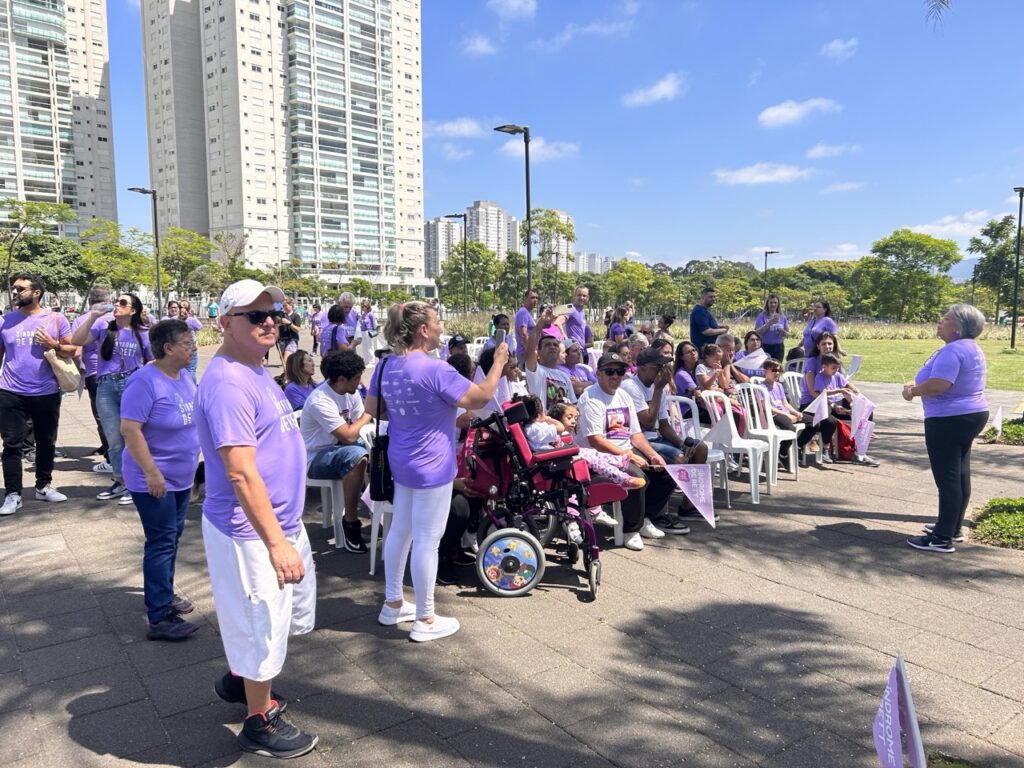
108,406
334,462
163,520
667,451
193,367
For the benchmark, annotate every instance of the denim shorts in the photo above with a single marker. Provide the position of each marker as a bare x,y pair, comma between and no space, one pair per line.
335,462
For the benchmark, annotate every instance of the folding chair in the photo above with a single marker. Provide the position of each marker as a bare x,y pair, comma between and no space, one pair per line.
761,426
741,447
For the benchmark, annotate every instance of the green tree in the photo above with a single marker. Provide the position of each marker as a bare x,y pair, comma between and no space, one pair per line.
229,250
58,260
26,217
182,254
362,288
547,228
482,269
907,270
626,280
115,258
996,244
511,284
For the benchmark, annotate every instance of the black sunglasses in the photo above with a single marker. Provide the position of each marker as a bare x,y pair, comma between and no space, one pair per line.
124,302
614,371
259,316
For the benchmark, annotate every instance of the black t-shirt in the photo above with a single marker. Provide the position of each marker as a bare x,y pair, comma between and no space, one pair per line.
285,332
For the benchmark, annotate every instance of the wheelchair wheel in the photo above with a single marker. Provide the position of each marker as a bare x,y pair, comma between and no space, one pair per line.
594,576
510,562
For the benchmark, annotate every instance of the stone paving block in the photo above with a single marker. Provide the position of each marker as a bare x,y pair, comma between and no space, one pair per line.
957,744
82,694
506,653
10,661
120,731
695,642
209,734
52,630
1008,641
1011,736
115,603
12,691
184,688
954,658
51,604
363,636
1008,682
973,709
569,693
411,666
1003,611
449,707
823,748
409,744
343,716
65,576
71,658
153,658
21,738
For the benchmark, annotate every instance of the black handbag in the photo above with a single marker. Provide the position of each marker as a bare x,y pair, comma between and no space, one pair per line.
382,483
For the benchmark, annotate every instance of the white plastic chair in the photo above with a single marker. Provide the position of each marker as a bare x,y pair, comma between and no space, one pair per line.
791,382
761,425
753,450
332,505
796,365
854,367
690,426
757,380
380,511
481,340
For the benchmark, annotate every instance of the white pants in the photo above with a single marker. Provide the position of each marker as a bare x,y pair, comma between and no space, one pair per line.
417,522
368,346
255,615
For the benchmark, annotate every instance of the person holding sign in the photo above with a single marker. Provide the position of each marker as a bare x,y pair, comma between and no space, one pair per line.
951,386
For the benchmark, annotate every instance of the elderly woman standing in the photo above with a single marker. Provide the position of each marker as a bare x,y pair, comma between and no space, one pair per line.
421,397
951,386
160,459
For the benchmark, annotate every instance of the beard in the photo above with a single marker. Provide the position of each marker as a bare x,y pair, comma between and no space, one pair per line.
23,302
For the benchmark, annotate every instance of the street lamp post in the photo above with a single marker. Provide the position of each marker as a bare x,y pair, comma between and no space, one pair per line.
465,260
525,130
1016,269
156,246
766,255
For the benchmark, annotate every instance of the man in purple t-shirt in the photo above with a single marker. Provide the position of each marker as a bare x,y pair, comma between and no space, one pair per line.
576,327
28,388
257,551
524,322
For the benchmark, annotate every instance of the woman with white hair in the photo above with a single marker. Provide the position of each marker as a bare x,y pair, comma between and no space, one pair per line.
951,386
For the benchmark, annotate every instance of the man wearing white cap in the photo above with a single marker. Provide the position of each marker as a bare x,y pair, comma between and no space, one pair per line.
257,552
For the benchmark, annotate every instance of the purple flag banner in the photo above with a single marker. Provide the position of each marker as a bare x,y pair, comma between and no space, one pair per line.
896,721
694,480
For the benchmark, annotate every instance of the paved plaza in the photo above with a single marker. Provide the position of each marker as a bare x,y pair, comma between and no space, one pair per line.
766,642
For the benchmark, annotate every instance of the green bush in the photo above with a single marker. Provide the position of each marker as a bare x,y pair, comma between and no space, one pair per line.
1001,522
208,336
1013,433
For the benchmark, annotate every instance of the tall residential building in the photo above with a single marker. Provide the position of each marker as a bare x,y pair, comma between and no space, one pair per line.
439,235
560,246
487,223
512,238
297,125
56,142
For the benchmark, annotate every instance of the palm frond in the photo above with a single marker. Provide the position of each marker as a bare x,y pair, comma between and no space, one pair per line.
935,8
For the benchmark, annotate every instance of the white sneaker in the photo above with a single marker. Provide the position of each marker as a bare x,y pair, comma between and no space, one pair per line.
441,626
603,518
734,466
389,616
650,531
633,541
104,467
572,533
12,503
49,493
125,500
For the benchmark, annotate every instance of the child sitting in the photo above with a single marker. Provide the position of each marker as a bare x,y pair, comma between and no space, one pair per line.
840,394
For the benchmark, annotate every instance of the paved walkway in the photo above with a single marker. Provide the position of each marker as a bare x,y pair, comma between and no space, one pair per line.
766,642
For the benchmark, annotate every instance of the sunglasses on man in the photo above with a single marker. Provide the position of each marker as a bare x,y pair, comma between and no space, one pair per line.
614,371
259,316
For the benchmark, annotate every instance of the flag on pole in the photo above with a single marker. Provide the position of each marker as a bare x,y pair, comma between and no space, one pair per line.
819,407
694,480
860,423
896,721
997,421
720,434
365,498
753,362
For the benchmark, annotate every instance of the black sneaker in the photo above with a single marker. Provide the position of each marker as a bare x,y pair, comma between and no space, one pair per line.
115,491
181,606
446,573
931,543
465,559
173,628
270,735
353,532
957,537
692,514
231,689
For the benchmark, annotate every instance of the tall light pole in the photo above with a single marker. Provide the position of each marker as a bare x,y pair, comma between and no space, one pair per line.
156,246
1016,269
525,130
465,259
766,255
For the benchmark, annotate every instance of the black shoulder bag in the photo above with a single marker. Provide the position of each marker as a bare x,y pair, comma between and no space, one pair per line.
382,484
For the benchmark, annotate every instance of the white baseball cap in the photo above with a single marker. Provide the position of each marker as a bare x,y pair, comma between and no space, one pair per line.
245,292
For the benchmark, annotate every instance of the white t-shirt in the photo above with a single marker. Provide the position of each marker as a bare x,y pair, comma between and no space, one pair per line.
641,396
323,412
550,385
611,416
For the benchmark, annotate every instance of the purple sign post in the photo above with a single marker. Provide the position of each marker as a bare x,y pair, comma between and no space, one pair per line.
896,721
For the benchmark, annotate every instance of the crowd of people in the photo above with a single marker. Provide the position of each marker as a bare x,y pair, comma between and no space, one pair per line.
259,436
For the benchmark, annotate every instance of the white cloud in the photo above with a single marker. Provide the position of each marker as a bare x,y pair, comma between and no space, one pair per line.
478,45
513,9
540,149
762,173
821,149
963,226
637,181
459,128
843,186
455,152
843,251
839,50
633,256
631,7
666,89
572,30
755,75
1014,199
792,112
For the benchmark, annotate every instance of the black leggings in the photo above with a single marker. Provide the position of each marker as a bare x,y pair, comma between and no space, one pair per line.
827,428
948,440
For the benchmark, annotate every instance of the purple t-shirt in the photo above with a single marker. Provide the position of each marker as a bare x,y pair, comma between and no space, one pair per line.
126,355
349,326
242,406
772,335
25,370
317,320
812,365
164,406
963,363
823,381
297,394
579,372
686,385
576,327
193,325
91,351
776,395
420,393
523,320
368,322
616,330
814,329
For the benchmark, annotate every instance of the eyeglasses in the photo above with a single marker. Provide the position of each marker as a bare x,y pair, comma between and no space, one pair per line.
259,316
614,371
124,302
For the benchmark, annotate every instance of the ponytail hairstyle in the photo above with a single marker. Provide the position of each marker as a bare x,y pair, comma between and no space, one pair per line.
404,320
137,323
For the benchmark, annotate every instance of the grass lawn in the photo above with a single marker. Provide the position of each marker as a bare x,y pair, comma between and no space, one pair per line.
898,360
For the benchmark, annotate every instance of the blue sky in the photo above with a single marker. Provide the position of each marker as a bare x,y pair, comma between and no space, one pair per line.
680,130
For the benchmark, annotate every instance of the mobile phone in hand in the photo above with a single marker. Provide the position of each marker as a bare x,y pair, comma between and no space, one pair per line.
562,309
499,337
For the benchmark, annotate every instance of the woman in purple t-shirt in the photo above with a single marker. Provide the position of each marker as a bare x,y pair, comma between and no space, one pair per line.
124,349
160,459
951,386
773,327
298,375
819,322
421,395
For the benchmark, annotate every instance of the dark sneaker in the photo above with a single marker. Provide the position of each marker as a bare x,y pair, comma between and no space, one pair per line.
692,514
232,690
353,532
931,543
270,735
957,537
115,491
172,629
181,606
465,559
447,575
670,524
